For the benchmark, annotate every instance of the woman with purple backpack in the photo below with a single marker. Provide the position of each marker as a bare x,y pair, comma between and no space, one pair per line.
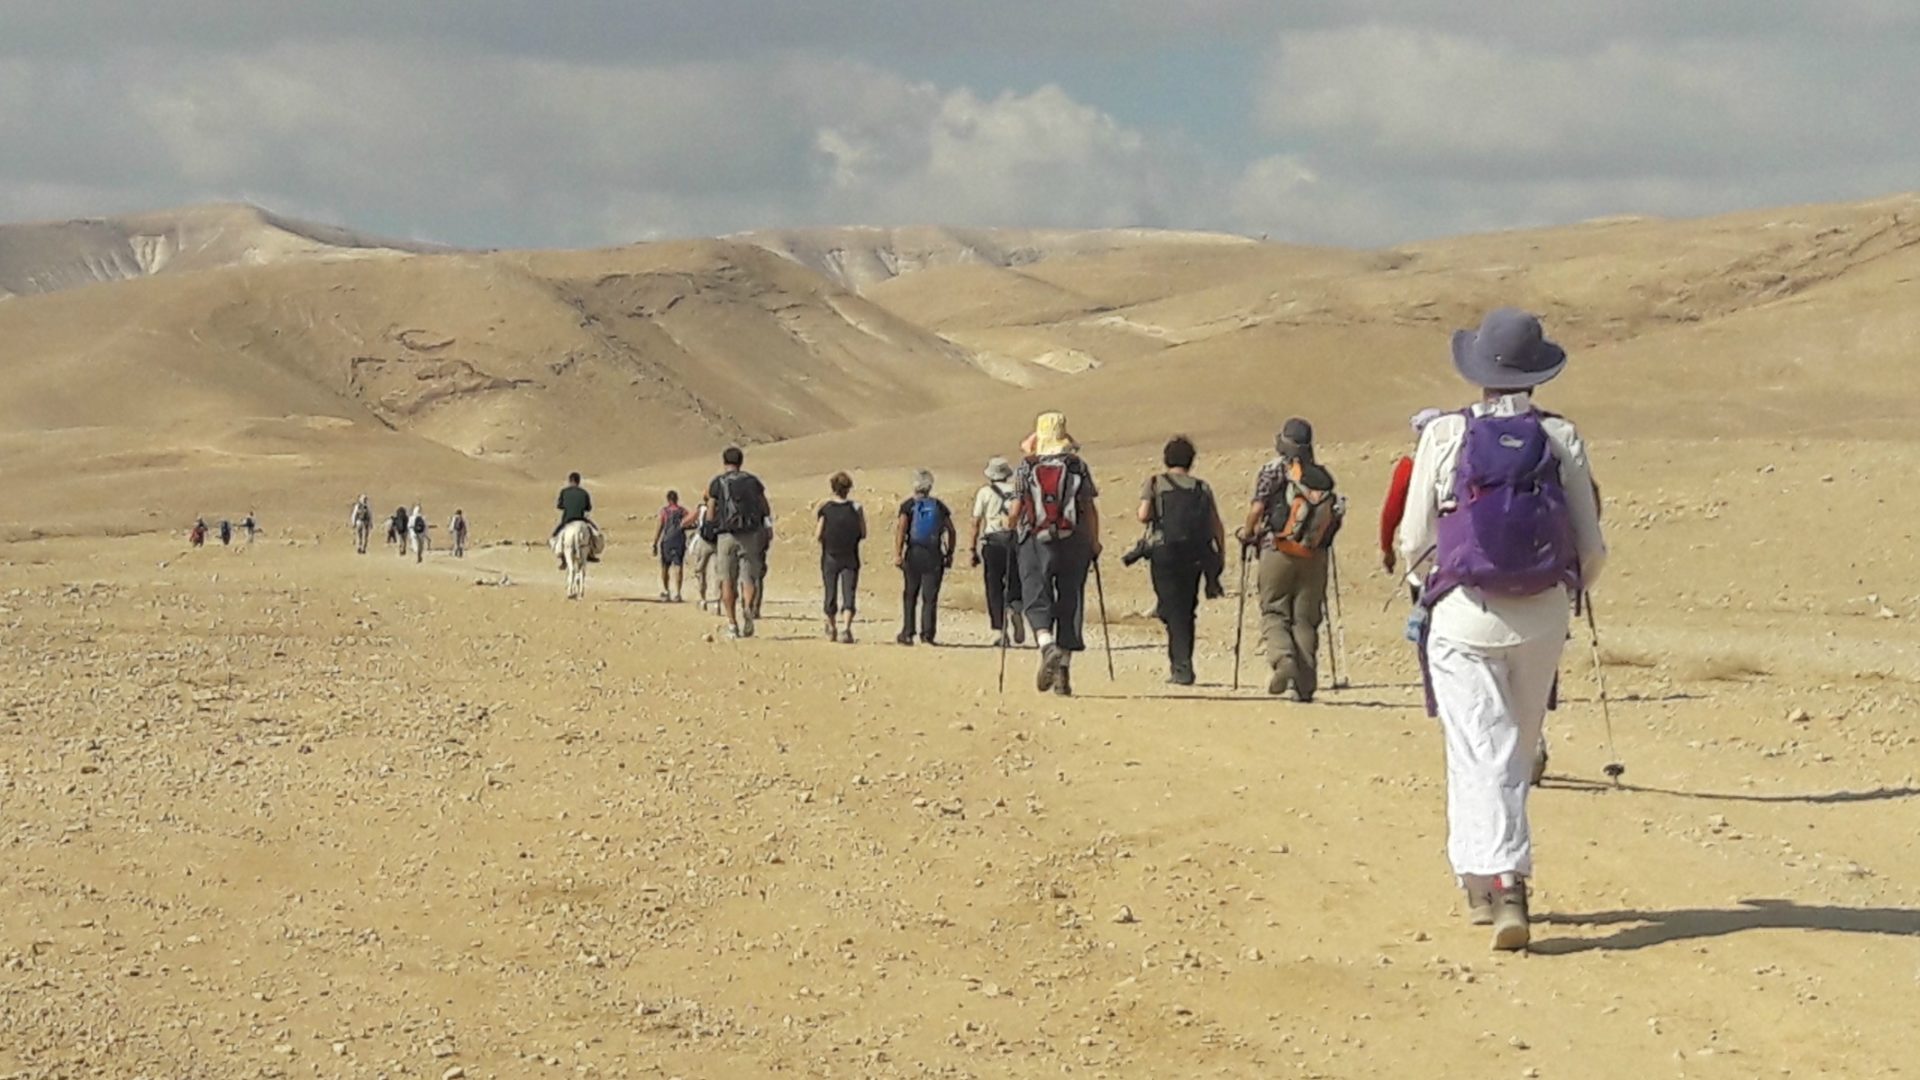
1503,501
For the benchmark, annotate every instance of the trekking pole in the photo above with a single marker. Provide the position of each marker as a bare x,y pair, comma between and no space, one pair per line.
1106,635
1614,769
1240,620
1339,644
1003,651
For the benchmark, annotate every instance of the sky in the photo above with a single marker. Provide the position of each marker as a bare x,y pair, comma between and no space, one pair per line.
498,123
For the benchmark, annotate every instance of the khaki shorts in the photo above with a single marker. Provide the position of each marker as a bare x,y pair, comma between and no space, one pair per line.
743,556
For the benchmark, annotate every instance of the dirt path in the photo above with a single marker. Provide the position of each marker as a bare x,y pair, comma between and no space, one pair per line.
295,813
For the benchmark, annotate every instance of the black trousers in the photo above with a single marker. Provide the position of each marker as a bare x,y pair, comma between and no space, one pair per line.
1176,586
1053,588
841,577
923,573
1001,565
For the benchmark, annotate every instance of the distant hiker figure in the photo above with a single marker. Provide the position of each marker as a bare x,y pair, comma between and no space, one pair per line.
995,550
397,529
417,531
1057,521
574,505
249,526
670,545
226,532
1185,545
197,536
458,527
737,504
766,566
362,521
701,538
923,542
1291,525
840,524
1504,497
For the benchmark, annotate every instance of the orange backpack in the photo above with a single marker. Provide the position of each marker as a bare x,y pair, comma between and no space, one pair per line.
1311,516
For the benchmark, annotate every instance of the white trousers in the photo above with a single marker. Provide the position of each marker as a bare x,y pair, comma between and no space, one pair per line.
1493,704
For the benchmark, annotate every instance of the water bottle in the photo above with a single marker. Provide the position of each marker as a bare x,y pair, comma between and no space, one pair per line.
1416,623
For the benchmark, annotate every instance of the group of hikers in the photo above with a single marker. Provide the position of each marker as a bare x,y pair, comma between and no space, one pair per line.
1493,519
197,532
407,530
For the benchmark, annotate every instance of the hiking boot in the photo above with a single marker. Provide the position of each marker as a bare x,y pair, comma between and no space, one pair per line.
666,598
1051,665
733,632
1303,697
1511,931
927,640
904,637
1278,683
746,628
1063,681
846,637
1181,677
833,631
1019,626
1480,907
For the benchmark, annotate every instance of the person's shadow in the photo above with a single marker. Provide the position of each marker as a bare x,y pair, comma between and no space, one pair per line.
1661,927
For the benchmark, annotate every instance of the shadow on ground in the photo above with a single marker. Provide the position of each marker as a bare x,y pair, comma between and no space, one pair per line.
1663,927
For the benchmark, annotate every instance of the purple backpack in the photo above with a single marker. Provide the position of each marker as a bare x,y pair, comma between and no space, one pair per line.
1509,532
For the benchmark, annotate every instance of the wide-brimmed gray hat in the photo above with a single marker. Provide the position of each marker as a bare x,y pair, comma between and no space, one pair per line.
1509,352
998,469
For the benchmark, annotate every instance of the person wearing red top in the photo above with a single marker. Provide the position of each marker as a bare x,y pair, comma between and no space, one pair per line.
1396,505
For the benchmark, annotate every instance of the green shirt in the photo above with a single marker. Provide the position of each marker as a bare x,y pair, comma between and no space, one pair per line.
575,504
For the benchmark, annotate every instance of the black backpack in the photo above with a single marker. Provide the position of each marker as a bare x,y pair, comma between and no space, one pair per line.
1184,515
739,511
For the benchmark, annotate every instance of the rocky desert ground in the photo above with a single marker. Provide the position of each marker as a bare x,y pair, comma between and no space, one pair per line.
282,810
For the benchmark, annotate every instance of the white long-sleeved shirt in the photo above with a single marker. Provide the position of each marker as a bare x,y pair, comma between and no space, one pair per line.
1467,616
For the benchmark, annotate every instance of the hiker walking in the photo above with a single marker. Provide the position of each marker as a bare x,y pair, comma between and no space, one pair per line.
840,524
923,542
458,527
701,538
397,528
249,526
197,536
1186,542
226,532
1292,523
994,549
1503,495
737,504
417,527
1057,520
670,544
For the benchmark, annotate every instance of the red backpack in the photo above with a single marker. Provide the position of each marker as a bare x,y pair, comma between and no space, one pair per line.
1050,507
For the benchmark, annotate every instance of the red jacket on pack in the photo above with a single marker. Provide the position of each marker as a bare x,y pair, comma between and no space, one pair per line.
1396,504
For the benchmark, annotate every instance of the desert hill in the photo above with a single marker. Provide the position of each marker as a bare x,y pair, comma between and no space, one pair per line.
860,258
594,358
51,256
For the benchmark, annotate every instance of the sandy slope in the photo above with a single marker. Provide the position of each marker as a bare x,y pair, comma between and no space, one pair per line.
283,810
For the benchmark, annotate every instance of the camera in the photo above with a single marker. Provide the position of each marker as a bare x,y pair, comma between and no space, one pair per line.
1140,550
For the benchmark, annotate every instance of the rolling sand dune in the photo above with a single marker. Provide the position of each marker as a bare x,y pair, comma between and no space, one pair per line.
282,810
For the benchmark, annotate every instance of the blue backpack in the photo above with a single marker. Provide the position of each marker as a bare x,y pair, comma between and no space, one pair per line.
924,524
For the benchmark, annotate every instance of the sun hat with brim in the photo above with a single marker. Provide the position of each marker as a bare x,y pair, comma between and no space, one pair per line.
1509,352
1050,436
998,469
